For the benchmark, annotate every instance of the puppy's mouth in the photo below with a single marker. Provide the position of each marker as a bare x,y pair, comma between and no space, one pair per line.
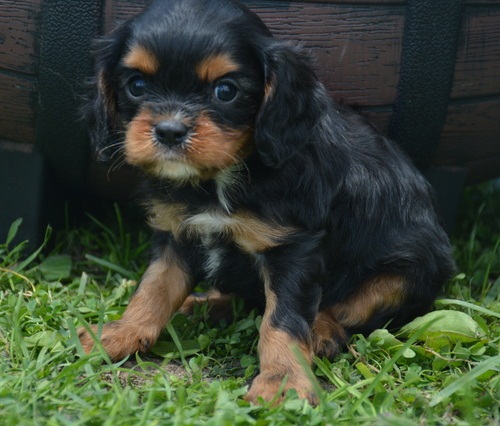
178,148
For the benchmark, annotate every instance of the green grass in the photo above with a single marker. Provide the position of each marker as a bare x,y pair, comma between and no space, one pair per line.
441,372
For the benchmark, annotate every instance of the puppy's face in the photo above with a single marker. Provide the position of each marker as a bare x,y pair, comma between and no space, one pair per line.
189,88
188,108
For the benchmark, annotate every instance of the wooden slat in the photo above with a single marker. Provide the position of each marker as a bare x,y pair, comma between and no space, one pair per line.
477,72
471,136
357,49
16,114
17,34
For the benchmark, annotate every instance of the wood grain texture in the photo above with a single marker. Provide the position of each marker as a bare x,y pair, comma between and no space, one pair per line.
17,35
471,138
356,48
16,114
477,72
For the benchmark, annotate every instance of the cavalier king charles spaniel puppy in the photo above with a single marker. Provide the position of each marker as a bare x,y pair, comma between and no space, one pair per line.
260,184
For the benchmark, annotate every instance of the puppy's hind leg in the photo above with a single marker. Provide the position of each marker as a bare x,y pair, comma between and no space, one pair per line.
373,305
163,289
218,305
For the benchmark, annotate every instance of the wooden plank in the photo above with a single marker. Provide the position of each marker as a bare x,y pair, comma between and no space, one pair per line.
477,72
16,114
356,49
120,10
471,138
17,35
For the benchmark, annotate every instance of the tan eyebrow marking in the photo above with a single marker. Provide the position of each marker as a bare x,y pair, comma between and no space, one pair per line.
214,67
141,59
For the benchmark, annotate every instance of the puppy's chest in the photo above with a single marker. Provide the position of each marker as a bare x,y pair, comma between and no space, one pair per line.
209,226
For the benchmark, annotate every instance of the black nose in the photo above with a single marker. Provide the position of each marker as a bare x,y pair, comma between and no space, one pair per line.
170,133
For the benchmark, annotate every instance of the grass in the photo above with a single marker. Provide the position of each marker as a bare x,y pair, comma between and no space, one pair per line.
440,372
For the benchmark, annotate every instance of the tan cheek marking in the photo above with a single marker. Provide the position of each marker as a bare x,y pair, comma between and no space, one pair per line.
383,292
141,59
214,67
140,149
212,147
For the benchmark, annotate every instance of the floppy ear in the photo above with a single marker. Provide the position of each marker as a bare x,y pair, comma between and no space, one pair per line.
100,111
291,107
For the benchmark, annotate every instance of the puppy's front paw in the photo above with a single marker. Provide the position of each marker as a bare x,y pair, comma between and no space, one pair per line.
274,388
119,339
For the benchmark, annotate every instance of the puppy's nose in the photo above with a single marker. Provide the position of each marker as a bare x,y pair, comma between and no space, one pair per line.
170,133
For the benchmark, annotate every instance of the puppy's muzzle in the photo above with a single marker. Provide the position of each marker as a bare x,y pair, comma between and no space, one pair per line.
170,132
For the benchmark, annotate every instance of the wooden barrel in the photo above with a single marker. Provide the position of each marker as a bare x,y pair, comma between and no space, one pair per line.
425,72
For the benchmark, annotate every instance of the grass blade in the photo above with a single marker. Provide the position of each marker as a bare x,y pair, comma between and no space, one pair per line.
490,364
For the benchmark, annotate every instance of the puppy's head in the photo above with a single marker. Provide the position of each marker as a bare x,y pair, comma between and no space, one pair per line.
191,87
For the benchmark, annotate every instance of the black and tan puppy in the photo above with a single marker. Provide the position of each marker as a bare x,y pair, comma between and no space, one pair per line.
258,183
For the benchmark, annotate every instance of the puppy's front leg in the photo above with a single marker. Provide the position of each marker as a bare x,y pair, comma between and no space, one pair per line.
292,299
163,289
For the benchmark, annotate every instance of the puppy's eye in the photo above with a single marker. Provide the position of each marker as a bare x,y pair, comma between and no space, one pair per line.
136,86
225,91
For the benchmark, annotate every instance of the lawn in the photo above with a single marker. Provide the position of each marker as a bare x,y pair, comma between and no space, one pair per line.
442,369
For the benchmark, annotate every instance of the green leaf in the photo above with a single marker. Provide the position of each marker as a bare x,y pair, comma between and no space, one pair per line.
56,267
445,327
13,230
44,339
170,349
442,302
247,360
383,339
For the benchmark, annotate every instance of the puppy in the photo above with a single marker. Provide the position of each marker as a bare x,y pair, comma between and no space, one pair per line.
260,184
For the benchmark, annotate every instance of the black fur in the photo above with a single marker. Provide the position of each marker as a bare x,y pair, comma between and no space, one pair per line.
358,207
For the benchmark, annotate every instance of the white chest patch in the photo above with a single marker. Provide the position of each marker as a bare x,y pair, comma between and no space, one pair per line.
248,232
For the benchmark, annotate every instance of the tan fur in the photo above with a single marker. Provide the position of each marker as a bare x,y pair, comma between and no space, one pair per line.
166,217
218,305
214,148
269,89
142,60
162,291
381,293
250,233
329,326
140,149
214,67
327,335
279,367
